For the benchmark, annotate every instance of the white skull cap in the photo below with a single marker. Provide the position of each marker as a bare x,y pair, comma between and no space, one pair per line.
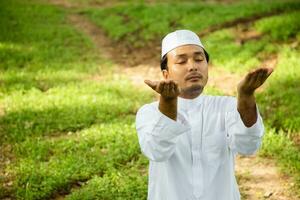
179,38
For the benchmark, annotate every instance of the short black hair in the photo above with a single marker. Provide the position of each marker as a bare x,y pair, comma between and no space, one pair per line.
164,61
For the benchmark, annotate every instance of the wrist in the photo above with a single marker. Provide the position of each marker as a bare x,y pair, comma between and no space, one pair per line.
168,99
168,106
246,101
245,94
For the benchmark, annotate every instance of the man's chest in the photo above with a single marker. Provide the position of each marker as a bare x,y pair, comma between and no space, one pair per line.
206,138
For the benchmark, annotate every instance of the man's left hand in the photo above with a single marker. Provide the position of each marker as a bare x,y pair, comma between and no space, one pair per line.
253,80
246,101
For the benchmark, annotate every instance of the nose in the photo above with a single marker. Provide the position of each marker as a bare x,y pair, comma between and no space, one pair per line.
192,65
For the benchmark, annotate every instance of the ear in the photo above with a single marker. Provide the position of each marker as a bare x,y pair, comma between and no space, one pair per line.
165,73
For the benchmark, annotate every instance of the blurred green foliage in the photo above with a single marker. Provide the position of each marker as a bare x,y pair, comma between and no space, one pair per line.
281,27
279,146
226,53
58,163
129,184
64,127
280,100
68,108
70,120
139,23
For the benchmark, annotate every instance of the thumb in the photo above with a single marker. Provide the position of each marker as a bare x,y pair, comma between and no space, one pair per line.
270,71
152,84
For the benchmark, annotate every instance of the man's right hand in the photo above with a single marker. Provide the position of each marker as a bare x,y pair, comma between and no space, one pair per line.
168,89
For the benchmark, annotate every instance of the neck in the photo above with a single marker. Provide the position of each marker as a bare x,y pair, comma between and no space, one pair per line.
191,93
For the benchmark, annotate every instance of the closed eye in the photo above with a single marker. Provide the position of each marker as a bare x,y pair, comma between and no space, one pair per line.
181,62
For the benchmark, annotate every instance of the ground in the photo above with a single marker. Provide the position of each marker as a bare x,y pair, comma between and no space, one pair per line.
259,177
71,138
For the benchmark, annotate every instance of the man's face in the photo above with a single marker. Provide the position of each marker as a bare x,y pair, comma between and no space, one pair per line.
188,66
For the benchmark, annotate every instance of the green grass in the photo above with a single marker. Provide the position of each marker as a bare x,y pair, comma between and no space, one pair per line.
64,127
53,165
66,108
235,57
226,53
28,29
139,23
74,135
43,80
281,27
279,146
279,105
39,50
127,184
280,101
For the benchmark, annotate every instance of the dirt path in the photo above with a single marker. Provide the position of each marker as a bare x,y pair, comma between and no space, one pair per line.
98,37
259,178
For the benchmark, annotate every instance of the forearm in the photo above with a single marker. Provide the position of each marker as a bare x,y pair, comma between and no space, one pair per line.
246,106
246,100
168,106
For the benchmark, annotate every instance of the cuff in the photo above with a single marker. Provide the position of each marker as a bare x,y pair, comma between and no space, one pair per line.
236,123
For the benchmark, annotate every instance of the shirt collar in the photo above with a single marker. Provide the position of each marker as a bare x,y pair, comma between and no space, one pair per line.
186,104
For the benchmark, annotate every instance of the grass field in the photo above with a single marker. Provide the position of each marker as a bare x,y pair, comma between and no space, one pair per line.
66,132
63,127
138,23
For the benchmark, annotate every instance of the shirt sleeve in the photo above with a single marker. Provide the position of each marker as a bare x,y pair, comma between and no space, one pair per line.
157,133
242,139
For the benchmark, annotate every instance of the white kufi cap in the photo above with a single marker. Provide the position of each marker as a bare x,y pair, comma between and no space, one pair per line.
179,38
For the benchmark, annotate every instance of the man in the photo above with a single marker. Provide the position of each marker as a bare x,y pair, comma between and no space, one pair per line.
191,139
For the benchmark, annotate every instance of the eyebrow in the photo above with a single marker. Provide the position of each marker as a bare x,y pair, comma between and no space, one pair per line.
199,53
195,53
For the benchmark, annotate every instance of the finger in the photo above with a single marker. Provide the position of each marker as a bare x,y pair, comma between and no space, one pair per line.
177,89
257,78
152,84
260,76
264,70
167,88
270,71
249,77
161,87
172,88
267,73
252,77
260,71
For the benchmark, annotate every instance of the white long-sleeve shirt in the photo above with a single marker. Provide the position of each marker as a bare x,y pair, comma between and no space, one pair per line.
192,158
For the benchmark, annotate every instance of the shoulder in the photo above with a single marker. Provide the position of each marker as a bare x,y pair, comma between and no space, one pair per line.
147,113
148,106
147,109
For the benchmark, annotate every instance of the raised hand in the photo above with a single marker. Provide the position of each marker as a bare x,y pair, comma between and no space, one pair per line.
253,80
168,89
246,104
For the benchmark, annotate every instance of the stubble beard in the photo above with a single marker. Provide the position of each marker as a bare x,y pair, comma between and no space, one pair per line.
192,91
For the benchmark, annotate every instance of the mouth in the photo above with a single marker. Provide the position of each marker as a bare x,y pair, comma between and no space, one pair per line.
194,77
